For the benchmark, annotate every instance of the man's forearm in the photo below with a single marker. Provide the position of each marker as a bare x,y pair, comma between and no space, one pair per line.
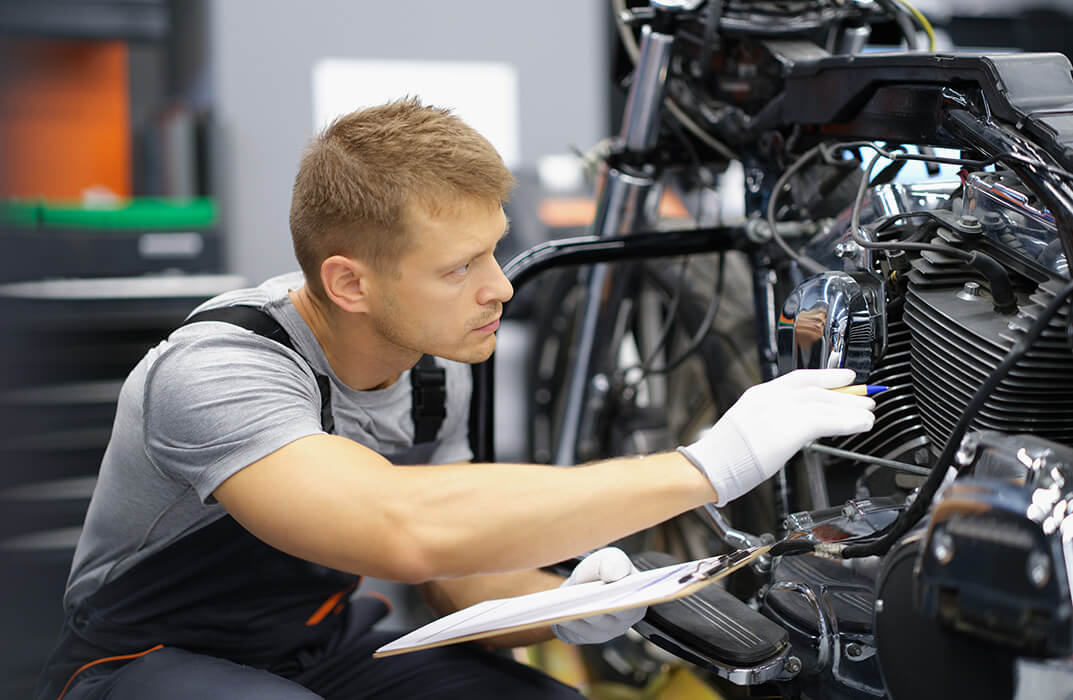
520,516
329,500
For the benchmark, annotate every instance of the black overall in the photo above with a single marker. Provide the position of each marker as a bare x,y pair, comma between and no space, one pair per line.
221,614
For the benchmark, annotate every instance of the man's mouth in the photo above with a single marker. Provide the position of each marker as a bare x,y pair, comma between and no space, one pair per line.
488,327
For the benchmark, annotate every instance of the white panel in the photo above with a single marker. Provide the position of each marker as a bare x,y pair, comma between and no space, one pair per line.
483,94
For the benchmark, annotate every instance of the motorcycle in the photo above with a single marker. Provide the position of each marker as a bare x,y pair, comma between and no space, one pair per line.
933,555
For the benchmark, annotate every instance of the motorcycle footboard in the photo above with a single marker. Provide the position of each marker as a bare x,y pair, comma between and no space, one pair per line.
713,629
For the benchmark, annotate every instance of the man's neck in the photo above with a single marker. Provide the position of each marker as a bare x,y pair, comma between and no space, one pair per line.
356,353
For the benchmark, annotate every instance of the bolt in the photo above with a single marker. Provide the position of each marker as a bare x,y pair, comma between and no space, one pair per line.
793,666
853,651
754,180
969,224
943,547
847,249
970,292
1039,569
992,220
757,230
967,450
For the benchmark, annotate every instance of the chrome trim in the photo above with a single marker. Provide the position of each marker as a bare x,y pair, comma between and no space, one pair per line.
895,199
833,320
829,639
826,622
628,203
880,201
643,106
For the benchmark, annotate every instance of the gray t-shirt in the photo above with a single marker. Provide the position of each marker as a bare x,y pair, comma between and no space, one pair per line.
214,398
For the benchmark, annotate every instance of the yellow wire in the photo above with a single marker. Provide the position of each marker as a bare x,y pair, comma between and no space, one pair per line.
923,22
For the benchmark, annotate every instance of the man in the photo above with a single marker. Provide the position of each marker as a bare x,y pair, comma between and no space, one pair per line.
249,480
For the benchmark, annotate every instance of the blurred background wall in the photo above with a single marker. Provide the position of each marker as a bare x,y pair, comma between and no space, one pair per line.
261,61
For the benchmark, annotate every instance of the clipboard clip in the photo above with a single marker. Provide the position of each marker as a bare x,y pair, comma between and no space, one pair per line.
706,569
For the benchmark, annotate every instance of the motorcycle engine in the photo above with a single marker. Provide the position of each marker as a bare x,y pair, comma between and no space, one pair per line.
925,325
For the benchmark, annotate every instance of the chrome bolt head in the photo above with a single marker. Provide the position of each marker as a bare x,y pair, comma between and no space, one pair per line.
1039,568
942,547
847,249
967,450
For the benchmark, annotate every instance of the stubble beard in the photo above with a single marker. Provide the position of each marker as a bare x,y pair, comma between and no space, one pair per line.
403,337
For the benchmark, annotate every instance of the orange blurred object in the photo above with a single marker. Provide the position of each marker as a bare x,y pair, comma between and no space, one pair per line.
564,212
64,118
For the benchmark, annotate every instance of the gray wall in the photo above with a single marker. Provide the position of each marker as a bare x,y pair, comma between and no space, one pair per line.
262,55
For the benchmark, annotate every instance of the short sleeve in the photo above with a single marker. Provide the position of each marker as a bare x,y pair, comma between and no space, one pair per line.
217,403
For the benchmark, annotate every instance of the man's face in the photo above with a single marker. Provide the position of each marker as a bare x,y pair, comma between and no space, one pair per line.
448,291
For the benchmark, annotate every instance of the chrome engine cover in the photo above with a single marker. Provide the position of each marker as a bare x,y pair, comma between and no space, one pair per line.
833,320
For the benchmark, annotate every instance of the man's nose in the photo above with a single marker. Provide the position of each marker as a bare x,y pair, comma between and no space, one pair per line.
497,288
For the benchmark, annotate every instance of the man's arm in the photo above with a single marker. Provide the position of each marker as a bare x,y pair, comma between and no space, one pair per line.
329,500
332,501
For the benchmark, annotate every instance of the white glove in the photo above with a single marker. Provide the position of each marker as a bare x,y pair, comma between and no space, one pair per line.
771,422
608,564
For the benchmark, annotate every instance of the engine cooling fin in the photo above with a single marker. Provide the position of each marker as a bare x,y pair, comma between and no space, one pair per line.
958,340
897,429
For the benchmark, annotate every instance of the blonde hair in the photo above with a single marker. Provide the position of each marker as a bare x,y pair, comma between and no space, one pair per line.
358,177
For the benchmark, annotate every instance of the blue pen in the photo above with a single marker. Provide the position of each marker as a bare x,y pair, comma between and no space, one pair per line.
861,389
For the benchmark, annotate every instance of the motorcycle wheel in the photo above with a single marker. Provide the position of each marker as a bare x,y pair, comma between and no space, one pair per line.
663,409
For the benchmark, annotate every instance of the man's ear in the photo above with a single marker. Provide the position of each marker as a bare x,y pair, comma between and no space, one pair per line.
347,283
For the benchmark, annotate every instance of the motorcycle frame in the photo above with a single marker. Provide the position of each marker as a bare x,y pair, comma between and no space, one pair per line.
1017,108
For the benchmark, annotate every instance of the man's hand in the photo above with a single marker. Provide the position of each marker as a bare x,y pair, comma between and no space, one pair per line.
608,565
771,422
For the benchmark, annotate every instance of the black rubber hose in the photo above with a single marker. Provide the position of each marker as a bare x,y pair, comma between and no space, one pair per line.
998,279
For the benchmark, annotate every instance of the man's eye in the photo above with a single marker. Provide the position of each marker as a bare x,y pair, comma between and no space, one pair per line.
461,270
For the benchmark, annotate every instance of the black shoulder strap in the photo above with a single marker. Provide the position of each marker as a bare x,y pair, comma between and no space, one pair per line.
429,408
253,319
427,380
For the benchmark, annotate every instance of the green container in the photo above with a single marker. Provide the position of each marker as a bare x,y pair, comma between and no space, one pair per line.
141,214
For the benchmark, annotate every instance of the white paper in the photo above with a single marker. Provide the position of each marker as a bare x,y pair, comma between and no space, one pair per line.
570,603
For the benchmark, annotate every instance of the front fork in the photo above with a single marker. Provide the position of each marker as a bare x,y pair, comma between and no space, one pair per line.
628,202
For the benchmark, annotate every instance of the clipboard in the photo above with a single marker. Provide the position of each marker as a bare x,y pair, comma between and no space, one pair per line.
494,617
